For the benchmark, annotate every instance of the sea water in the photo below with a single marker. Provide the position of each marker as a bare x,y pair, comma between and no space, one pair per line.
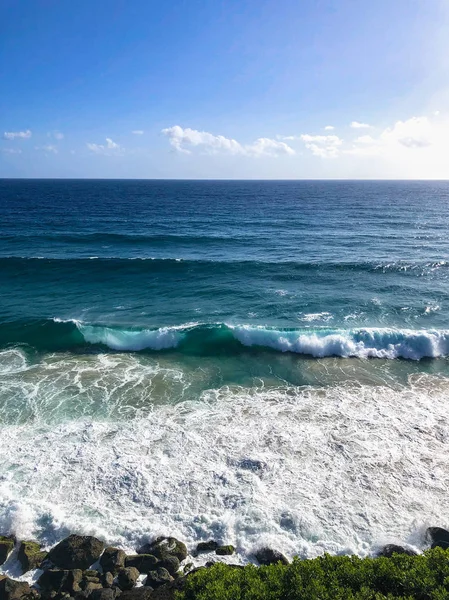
250,362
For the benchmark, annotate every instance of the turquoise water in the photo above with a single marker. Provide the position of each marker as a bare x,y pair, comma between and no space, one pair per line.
157,337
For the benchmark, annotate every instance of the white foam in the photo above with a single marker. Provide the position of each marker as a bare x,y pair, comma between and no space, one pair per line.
304,470
132,340
361,343
12,361
322,316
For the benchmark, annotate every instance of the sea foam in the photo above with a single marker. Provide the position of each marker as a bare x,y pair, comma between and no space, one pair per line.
307,471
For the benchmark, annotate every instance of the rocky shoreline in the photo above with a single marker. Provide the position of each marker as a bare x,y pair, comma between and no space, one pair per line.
81,567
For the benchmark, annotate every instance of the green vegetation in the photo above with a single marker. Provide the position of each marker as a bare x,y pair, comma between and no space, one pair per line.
423,577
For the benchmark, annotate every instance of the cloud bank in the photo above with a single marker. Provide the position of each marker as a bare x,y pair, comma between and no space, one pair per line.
108,149
12,135
184,140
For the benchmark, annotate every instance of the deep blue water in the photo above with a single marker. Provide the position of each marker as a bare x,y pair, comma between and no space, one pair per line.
296,255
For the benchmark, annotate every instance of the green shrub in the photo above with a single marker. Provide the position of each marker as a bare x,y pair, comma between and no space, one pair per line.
402,577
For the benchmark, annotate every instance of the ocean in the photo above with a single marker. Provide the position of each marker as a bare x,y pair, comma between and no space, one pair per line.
259,363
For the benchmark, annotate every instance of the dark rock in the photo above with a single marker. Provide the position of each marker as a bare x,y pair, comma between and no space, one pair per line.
87,580
76,552
142,562
267,556
168,590
438,537
90,586
127,577
105,594
171,564
91,573
108,579
140,593
7,544
225,550
56,580
158,577
112,559
204,547
30,555
163,547
188,567
390,549
14,590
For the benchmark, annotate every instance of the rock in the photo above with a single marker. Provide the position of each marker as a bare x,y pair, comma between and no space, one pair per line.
87,580
188,567
105,594
225,550
164,547
56,580
127,577
30,555
158,577
112,559
7,544
171,564
90,586
15,590
168,590
204,547
142,562
108,579
140,593
267,556
390,549
438,537
76,552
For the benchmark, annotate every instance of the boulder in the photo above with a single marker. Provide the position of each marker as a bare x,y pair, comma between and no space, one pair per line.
204,547
76,552
268,556
7,544
142,562
90,587
390,549
30,555
127,577
168,590
158,577
105,594
107,579
56,581
163,547
171,564
225,550
112,559
139,593
15,590
438,537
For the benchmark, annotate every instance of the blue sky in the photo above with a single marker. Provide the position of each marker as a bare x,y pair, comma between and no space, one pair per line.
224,89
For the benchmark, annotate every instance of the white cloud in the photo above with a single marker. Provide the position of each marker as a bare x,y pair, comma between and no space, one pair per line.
12,135
364,139
325,146
329,128
11,150
107,149
57,135
138,132
182,140
411,148
357,125
47,148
